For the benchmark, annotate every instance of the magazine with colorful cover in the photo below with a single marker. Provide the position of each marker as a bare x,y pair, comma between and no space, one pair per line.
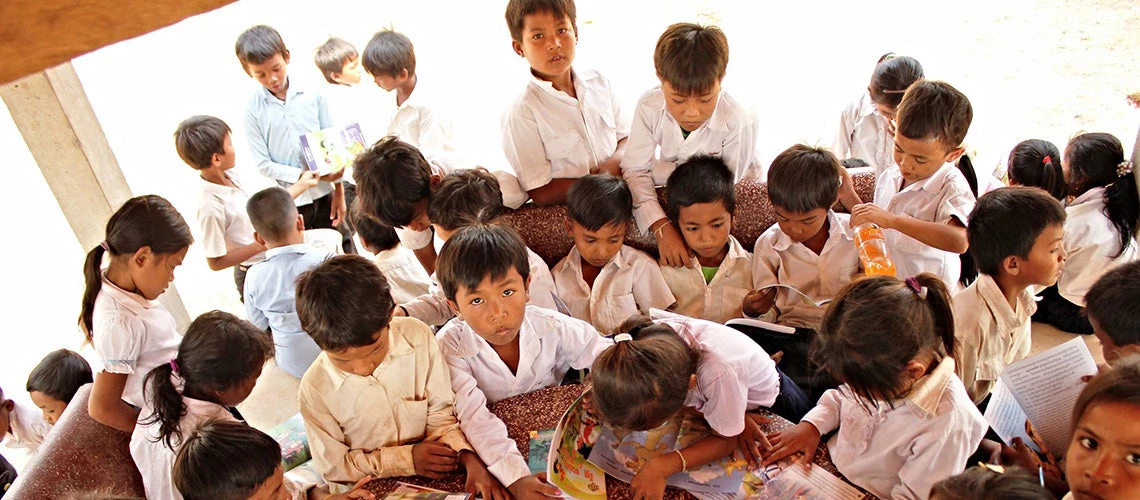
414,491
567,467
294,445
539,450
332,149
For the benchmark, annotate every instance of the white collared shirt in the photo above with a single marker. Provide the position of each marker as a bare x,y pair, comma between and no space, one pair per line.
720,299
550,344
362,104
656,146
863,134
990,333
154,459
28,427
629,283
549,135
421,122
224,221
132,336
901,450
1091,246
943,196
274,129
407,278
779,260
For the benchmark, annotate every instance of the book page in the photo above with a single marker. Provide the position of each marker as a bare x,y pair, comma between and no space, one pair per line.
797,291
1046,385
799,482
1006,417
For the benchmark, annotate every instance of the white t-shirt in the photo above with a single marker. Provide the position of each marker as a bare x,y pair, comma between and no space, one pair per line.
154,459
1091,245
224,221
863,134
132,336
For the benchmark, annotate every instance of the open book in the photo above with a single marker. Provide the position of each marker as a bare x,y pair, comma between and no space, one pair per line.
332,149
296,459
566,465
796,291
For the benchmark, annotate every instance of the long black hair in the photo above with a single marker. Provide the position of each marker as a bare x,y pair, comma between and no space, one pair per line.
1097,160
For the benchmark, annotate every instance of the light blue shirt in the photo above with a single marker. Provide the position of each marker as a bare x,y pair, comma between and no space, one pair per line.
270,303
274,129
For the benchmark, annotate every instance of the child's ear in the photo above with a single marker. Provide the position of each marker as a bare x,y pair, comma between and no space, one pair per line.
517,47
285,56
142,255
403,76
215,160
454,308
1011,265
435,180
692,381
336,76
915,370
300,222
258,239
954,154
569,227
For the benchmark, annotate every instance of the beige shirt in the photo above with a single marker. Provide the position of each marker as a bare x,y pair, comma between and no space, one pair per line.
629,283
720,299
990,333
360,426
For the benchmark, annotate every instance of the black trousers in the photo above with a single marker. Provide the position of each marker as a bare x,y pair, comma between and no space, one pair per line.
1059,312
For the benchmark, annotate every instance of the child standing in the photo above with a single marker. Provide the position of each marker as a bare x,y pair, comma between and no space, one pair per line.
602,280
146,239
1106,427
866,126
55,380
687,115
566,123
904,419
217,365
701,201
1036,162
1113,309
406,277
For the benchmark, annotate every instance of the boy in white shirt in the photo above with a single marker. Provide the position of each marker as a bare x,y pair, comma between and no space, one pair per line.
687,115
500,347
23,426
405,276
566,123
701,200
601,280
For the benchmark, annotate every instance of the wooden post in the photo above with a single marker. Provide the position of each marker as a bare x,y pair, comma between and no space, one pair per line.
57,122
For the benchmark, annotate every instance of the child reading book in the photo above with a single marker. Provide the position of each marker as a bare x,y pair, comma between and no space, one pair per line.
54,381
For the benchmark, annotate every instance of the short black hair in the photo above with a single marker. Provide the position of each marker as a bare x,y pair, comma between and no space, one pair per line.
391,177
259,44
517,10
1114,302
691,58
60,374
389,52
981,483
700,179
599,199
465,197
892,76
934,110
332,55
343,302
272,213
198,138
224,460
370,230
803,178
1007,222
478,251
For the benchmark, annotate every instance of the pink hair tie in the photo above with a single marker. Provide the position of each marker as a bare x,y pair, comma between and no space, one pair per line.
174,366
917,288
1047,160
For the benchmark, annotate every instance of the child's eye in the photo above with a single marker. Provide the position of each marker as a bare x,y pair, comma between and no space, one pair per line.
706,99
537,36
615,240
562,31
1133,458
1088,443
691,229
508,292
476,301
675,101
718,225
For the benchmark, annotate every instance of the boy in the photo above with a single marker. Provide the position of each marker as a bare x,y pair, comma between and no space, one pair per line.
566,123
54,381
601,280
23,426
269,292
501,347
405,276
701,200
204,143
377,401
687,115
1113,308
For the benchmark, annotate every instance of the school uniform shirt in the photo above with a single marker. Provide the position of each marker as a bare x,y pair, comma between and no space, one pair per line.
900,450
550,344
780,260
629,283
720,299
406,277
224,221
943,196
274,129
656,146
990,333
863,134
270,303
1091,245
152,456
360,426
549,135
28,427
419,121
132,336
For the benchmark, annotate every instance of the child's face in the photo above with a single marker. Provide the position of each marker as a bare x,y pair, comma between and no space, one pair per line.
390,82
273,488
705,227
362,360
1103,461
547,44
1046,259
235,395
690,111
152,273
227,159
420,221
597,247
271,74
800,226
495,308
349,73
52,408
920,158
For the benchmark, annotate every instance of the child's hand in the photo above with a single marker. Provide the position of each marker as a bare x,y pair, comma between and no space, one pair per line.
337,211
803,438
758,302
479,479
752,441
534,486
357,492
671,247
870,212
434,460
333,177
649,483
611,166
308,179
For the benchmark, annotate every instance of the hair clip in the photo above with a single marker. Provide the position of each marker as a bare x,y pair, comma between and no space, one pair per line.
174,366
106,246
1047,160
917,288
622,337
1124,168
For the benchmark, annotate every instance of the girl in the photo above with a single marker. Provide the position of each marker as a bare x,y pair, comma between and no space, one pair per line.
1103,458
217,365
1037,163
659,366
905,421
146,240
866,132
1100,230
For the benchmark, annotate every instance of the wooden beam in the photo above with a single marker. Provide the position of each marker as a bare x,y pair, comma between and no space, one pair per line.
39,34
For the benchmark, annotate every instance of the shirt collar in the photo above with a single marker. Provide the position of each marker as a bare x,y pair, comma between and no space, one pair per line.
836,230
219,189
137,303
574,260
397,346
1006,316
736,253
469,343
934,183
926,393
287,249
1096,193
548,87
867,106
295,89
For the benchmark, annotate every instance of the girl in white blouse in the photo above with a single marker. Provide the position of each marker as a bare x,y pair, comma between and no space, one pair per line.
866,127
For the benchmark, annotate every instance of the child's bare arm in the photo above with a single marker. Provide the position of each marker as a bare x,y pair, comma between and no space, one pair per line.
308,179
650,480
553,193
106,403
949,237
235,256
612,165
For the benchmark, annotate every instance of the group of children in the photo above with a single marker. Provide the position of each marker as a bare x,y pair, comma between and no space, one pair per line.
400,355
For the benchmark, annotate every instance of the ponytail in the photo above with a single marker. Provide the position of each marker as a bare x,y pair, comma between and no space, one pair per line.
92,276
166,401
1037,163
938,299
1122,204
1097,159
969,271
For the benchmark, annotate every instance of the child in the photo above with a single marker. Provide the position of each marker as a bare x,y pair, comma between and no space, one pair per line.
660,366
923,201
1100,232
904,419
146,240
1113,309
501,347
985,483
602,280
687,115
406,277
23,426
866,126
1015,237
54,381
566,123
701,202
1106,427
217,365
377,401
203,142
269,292
1036,162
810,248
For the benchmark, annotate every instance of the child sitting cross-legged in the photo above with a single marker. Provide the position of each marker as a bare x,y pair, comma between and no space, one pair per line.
54,381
